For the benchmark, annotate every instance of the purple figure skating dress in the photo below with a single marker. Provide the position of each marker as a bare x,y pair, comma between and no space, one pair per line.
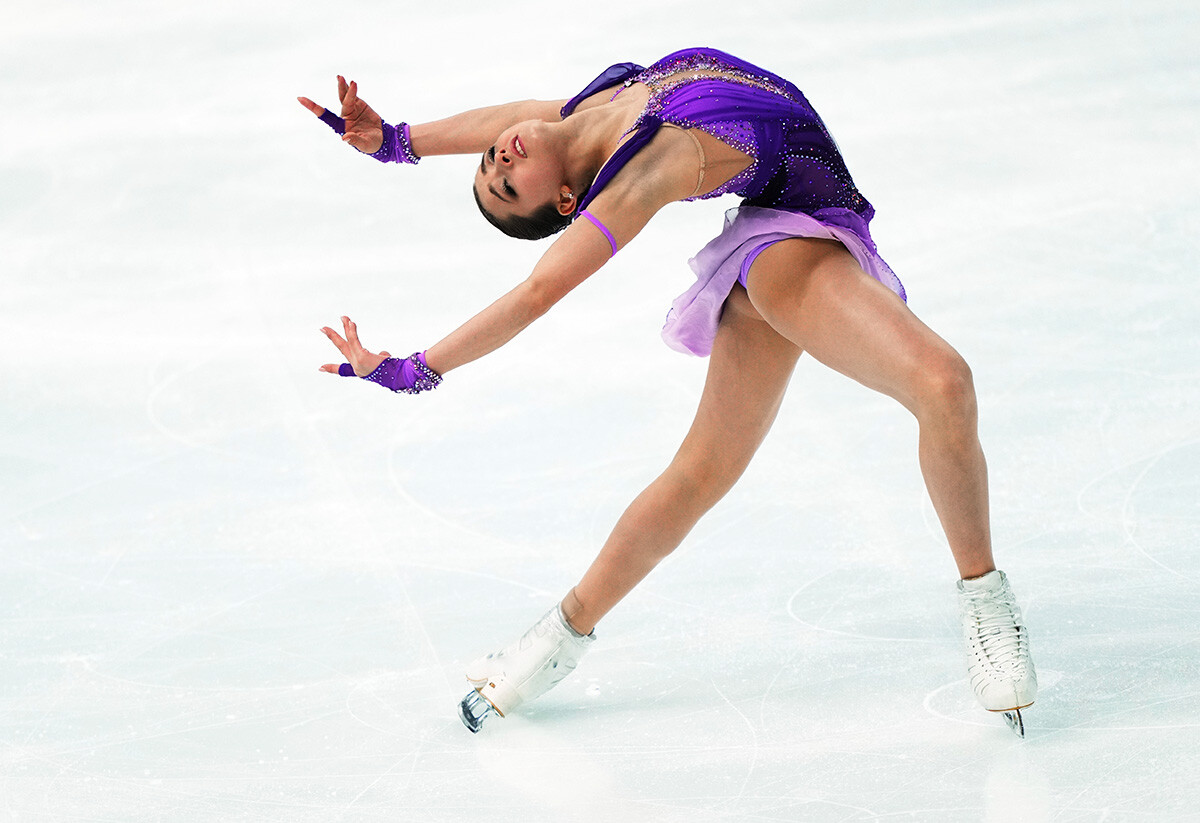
796,186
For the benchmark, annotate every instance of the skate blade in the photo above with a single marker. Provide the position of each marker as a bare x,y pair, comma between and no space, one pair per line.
473,710
1015,722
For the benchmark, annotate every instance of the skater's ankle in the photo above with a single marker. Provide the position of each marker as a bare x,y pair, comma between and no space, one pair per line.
976,572
572,612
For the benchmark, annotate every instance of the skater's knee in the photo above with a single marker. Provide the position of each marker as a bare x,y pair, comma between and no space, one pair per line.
946,390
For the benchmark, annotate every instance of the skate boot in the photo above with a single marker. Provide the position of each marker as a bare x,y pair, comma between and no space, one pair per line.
502,681
998,661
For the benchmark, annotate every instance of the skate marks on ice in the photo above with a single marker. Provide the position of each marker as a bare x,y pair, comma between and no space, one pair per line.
609,780
842,602
543,763
591,759
1153,500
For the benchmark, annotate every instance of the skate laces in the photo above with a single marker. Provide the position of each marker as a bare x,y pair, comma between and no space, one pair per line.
994,622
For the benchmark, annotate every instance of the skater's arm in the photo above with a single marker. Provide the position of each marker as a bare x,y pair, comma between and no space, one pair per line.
473,131
578,254
575,256
622,211
469,132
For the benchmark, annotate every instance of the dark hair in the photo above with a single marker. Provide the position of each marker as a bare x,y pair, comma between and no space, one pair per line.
545,220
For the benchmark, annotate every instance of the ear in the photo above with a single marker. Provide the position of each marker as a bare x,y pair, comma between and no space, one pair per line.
566,201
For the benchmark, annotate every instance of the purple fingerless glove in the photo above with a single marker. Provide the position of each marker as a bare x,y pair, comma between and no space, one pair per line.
409,376
396,147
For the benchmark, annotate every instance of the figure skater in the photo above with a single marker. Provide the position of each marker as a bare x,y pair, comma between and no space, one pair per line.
794,270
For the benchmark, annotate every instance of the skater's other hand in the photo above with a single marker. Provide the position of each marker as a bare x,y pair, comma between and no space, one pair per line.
363,361
364,128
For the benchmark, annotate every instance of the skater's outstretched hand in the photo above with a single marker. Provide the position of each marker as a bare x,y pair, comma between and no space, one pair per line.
363,361
364,128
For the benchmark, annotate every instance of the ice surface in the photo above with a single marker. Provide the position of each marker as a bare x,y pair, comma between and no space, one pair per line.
235,589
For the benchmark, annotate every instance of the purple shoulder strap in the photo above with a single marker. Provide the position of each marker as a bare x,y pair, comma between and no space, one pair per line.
647,128
611,76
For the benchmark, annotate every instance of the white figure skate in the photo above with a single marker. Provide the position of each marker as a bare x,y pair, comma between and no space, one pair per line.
502,681
998,661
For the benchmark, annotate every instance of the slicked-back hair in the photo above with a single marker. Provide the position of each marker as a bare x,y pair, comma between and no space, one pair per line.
545,221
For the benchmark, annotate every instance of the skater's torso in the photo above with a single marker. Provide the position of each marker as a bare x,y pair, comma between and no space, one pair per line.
756,134
723,162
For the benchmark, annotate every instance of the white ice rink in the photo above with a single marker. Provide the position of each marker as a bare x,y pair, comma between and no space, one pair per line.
235,589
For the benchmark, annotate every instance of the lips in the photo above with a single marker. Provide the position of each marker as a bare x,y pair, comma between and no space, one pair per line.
518,149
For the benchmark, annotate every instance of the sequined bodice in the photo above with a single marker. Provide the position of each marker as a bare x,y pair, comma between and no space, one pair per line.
796,164
705,73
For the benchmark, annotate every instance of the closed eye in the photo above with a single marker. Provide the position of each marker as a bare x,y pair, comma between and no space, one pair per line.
491,156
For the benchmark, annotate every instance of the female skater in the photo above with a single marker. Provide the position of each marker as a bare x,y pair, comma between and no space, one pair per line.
794,270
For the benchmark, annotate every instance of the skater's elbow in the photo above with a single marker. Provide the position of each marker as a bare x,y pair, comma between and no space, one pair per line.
548,285
538,296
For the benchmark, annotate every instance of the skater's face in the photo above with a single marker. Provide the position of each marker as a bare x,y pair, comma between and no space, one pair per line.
520,173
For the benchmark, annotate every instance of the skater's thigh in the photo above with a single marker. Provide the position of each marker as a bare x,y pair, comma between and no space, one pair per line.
816,295
748,373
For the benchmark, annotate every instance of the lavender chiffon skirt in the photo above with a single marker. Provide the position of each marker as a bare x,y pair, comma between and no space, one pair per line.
692,321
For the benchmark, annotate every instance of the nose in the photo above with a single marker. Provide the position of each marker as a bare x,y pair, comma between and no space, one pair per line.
503,157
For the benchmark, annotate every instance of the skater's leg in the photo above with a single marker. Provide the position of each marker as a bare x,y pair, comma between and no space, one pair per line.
747,374
814,294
